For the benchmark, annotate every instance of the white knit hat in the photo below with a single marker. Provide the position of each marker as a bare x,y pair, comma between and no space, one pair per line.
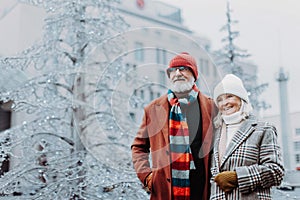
231,84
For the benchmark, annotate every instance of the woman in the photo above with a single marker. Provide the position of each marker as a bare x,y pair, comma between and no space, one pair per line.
246,159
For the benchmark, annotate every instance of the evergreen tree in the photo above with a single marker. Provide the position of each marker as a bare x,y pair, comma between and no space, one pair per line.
232,59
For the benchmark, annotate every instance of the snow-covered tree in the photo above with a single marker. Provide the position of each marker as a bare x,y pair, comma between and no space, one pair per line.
69,144
232,59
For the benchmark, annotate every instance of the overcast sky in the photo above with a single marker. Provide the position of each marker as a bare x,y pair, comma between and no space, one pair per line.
269,30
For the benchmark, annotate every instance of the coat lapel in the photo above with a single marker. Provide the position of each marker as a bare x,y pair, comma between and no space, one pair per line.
216,147
162,116
246,129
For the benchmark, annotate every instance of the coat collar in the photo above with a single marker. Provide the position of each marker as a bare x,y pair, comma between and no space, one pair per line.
245,130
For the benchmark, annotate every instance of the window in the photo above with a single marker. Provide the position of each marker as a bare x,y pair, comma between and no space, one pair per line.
297,131
297,146
133,100
297,158
158,56
139,51
142,94
151,95
161,56
164,56
162,77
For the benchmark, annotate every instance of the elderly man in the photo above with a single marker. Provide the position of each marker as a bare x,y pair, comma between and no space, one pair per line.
177,132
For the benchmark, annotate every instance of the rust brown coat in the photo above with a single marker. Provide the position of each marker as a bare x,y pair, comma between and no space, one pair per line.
154,133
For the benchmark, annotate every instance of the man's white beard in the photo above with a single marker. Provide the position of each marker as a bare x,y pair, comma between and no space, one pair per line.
179,86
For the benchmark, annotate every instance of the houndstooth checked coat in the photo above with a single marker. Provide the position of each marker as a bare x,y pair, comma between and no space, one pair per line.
255,156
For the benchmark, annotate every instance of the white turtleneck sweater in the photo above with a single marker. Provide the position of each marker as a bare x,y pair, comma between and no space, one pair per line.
233,123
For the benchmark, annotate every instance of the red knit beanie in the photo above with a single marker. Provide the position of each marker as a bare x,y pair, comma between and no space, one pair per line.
185,59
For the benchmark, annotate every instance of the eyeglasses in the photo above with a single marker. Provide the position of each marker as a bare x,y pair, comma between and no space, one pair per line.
180,68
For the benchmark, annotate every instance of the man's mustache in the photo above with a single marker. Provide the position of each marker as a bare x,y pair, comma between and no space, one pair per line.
179,79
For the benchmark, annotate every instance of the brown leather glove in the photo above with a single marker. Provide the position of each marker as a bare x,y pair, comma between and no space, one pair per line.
227,180
148,183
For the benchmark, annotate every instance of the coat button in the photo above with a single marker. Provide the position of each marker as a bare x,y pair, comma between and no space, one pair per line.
168,179
167,152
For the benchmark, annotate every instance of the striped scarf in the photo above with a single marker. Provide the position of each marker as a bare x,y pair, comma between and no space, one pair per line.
181,156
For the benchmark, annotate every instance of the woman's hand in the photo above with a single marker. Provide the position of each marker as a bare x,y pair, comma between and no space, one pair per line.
227,180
